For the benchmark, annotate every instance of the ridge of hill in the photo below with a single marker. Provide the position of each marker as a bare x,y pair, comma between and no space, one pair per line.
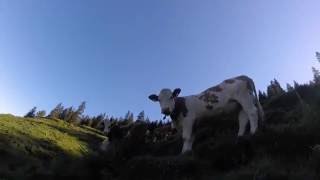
39,145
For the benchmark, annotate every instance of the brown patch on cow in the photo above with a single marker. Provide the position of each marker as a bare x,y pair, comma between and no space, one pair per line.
209,97
214,98
229,81
215,88
180,108
249,81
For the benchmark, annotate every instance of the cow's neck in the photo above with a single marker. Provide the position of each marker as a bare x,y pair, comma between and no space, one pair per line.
180,108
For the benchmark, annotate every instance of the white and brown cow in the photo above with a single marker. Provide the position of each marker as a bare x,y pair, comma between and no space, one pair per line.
223,98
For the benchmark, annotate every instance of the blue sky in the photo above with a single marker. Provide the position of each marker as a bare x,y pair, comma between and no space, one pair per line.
114,53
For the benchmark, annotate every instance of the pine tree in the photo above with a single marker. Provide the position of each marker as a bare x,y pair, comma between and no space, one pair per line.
91,121
129,116
140,116
262,96
274,88
81,108
75,115
97,121
56,112
318,56
148,120
101,121
316,75
41,113
270,89
120,119
67,114
63,115
295,84
289,87
101,117
278,87
311,83
85,120
31,113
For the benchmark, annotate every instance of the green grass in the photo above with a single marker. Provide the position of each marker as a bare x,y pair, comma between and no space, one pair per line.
37,145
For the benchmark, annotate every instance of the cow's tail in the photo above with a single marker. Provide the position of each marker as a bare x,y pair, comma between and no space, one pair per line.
257,102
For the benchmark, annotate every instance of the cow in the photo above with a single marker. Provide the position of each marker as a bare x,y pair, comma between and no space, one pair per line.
225,97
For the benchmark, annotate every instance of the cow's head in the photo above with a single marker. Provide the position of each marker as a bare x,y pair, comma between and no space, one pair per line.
166,99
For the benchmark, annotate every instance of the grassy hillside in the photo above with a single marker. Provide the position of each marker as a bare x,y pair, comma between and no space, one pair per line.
284,148
41,146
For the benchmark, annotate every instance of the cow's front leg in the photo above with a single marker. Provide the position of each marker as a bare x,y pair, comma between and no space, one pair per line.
187,134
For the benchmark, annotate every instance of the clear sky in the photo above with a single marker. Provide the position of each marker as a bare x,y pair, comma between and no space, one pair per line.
114,53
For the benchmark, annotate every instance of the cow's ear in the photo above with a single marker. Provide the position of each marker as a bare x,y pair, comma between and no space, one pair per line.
154,98
176,92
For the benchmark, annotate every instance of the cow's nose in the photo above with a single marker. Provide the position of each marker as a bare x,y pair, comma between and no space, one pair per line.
166,111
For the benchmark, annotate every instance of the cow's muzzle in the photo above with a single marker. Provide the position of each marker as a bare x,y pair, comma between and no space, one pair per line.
166,111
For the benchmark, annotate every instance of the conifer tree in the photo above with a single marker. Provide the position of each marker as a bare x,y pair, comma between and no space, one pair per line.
31,113
76,115
318,56
295,84
56,112
129,116
274,88
262,96
289,87
41,113
140,116
316,75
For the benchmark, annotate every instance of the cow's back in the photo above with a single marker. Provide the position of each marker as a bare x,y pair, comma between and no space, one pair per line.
222,97
228,89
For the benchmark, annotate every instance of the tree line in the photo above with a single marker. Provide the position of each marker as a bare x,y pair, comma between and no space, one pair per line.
76,116
275,89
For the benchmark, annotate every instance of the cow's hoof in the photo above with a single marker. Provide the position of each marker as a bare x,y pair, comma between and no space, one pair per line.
186,153
242,139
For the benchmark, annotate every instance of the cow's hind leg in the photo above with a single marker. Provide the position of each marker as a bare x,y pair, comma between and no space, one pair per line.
248,106
243,121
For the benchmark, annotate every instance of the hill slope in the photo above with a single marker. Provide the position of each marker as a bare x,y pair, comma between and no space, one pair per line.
287,146
29,146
